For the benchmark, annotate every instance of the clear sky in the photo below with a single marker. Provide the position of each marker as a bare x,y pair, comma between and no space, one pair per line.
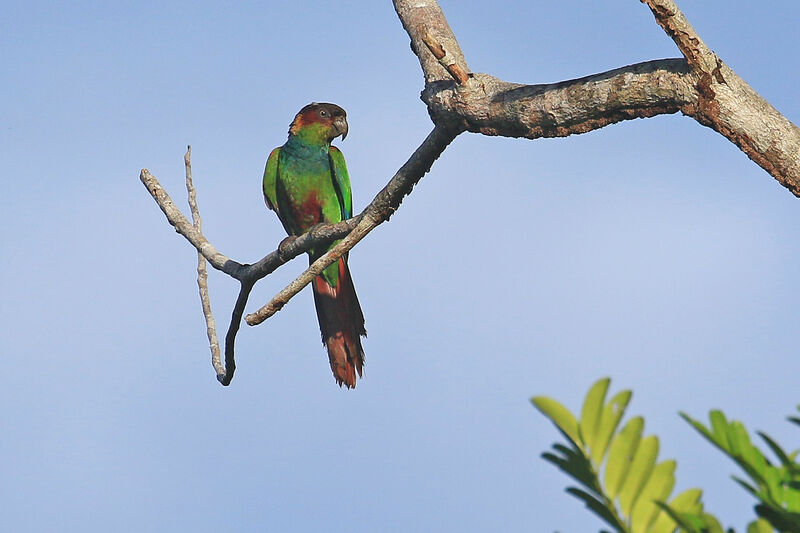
653,252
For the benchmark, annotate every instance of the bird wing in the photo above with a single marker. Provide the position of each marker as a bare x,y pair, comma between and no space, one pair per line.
341,181
270,181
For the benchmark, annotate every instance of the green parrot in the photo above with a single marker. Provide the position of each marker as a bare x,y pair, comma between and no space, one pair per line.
306,183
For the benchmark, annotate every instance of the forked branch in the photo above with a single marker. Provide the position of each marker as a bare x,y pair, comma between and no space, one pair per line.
353,230
698,85
202,272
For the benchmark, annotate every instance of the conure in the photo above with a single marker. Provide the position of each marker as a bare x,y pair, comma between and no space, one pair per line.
306,183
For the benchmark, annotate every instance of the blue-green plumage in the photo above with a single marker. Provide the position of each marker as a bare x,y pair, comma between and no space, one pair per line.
306,183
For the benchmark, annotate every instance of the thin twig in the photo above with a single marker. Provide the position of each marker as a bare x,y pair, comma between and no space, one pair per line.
321,235
702,87
185,228
730,106
353,230
677,26
315,269
446,60
425,17
202,271
230,337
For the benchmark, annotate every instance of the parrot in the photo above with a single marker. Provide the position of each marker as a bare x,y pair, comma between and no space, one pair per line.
306,183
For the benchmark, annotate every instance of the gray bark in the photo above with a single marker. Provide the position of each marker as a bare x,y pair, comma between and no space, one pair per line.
699,85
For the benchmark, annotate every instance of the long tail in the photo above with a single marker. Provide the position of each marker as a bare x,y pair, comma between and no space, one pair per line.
342,325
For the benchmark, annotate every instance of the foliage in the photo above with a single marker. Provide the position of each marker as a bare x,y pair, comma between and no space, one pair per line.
622,482
776,486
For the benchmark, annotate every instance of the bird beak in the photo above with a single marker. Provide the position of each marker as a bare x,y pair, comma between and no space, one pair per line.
340,125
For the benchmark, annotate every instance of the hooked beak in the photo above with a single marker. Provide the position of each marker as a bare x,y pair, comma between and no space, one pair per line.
340,125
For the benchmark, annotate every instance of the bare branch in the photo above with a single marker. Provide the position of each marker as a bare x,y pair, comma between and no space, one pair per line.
727,104
378,211
672,20
185,228
230,337
315,269
353,230
445,59
495,107
319,235
701,87
202,273
423,17
291,247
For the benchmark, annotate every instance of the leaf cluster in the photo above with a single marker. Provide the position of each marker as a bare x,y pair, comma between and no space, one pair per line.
775,484
621,480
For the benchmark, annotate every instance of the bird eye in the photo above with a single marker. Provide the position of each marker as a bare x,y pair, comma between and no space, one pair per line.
323,113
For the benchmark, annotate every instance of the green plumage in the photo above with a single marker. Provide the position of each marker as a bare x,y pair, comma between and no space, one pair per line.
306,183
309,183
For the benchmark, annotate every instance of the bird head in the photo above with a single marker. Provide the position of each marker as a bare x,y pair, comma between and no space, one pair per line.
323,122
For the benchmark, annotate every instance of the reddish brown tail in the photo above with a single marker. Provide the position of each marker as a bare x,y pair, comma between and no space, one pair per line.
342,325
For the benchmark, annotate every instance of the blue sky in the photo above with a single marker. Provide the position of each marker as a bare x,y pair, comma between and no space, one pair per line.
653,252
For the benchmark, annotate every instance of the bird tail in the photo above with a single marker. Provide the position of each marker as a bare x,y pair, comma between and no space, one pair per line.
341,323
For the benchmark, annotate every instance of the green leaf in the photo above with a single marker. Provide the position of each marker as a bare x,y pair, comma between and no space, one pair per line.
699,427
747,455
738,439
719,429
780,519
794,419
733,440
657,488
573,463
711,524
692,523
775,488
558,415
687,502
639,472
620,455
663,523
598,507
782,456
609,421
791,496
759,526
747,486
591,411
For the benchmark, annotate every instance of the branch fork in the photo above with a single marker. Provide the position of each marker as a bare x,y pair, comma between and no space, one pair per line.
700,85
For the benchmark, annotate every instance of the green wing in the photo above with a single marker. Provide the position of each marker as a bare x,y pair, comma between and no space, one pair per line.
270,181
341,180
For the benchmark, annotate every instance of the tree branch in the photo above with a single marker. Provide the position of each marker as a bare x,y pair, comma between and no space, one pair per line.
446,60
185,228
378,211
421,18
202,274
700,86
246,274
291,248
495,107
353,230
728,105
676,25
230,337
